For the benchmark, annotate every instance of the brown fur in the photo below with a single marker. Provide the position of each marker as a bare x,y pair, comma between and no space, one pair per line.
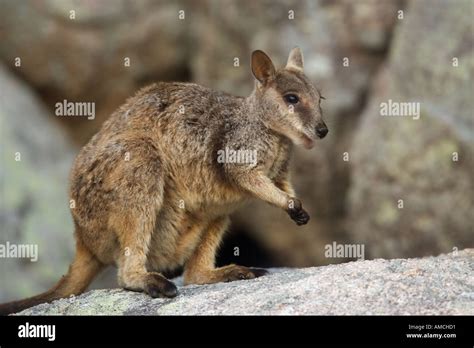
150,195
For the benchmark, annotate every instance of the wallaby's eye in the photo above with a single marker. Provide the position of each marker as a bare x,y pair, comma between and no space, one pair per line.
291,98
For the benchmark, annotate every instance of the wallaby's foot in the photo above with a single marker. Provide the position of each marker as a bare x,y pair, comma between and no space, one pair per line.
154,284
297,213
224,274
235,272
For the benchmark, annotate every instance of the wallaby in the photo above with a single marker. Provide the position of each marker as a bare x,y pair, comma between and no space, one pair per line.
150,195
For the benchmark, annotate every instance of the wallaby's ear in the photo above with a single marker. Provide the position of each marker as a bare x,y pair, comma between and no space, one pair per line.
262,67
295,60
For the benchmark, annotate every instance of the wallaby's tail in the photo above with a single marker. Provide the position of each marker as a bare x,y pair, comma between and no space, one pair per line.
81,273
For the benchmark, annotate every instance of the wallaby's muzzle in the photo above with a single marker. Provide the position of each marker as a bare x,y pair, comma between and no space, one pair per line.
321,130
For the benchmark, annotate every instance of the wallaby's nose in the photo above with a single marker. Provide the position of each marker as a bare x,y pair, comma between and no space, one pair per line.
321,131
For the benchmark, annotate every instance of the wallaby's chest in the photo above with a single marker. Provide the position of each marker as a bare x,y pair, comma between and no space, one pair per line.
279,156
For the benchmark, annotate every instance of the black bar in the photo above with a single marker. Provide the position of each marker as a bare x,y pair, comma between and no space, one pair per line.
207,330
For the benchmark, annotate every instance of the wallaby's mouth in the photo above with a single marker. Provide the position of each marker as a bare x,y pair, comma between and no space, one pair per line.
308,142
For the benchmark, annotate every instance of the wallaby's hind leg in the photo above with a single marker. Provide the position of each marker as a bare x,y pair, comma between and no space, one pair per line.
135,229
200,267
139,186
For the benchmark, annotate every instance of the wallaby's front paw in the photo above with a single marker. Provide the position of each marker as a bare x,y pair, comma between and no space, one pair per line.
296,212
158,286
241,273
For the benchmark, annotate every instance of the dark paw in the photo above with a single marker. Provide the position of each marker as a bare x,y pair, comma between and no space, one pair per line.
242,273
258,272
297,213
159,286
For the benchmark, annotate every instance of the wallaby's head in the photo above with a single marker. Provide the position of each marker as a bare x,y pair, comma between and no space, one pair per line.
289,101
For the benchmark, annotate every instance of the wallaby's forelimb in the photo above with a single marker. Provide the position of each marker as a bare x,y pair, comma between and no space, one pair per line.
263,188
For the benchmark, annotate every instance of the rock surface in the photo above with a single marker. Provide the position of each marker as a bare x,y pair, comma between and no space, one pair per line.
432,285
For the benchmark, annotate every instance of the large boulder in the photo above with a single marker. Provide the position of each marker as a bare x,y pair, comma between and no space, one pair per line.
376,287
34,205
411,190
77,50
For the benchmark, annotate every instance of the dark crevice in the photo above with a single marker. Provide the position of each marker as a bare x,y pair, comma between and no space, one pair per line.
250,252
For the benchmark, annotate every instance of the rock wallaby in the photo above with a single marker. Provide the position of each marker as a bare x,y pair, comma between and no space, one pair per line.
151,192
